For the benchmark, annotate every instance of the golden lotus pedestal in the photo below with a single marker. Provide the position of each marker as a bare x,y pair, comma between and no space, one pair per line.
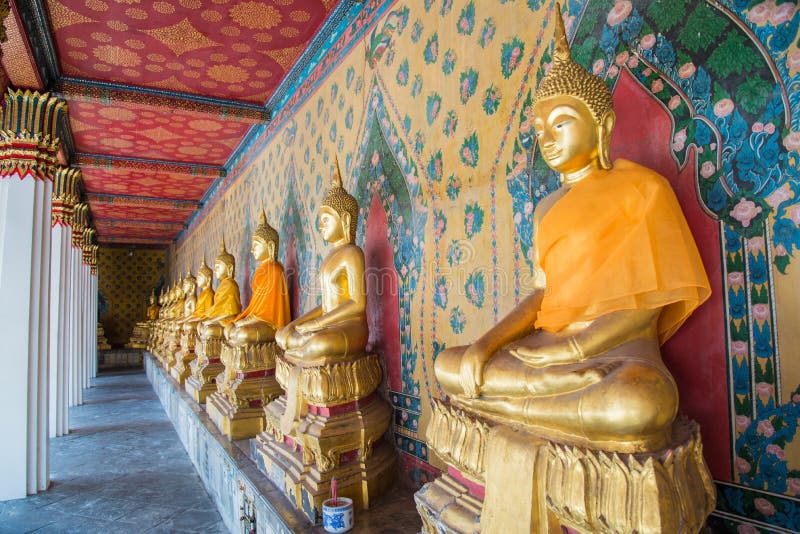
205,368
502,479
247,385
181,370
340,435
138,340
173,346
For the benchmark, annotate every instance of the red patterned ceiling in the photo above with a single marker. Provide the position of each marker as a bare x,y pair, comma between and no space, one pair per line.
144,183
231,49
101,210
141,131
106,228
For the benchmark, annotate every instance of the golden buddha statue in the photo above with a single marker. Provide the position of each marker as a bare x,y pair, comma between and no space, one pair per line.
248,382
188,324
141,330
227,304
186,294
330,410
268,309
154,309
577,362
210,330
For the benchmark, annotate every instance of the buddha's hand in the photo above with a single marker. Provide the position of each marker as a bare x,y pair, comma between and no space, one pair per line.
561,352
307,327
471,374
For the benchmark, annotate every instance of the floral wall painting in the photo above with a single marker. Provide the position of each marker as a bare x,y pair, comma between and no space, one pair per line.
426,104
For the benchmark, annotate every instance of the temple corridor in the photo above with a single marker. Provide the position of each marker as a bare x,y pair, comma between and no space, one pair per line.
122,468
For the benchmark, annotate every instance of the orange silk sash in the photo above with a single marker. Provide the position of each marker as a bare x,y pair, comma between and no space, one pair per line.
618,240
270,300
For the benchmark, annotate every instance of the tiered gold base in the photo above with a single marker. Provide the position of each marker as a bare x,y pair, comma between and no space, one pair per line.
339,434
536,485
205,368
183,359
303,467
246,387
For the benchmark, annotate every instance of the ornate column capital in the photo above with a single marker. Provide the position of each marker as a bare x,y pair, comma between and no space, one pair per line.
79,217
28,140
88,242
65,194
93,259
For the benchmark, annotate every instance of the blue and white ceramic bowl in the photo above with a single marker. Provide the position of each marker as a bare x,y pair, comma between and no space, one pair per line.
337,518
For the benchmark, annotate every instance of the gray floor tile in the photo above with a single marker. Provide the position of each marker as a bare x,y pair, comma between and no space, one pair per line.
122,469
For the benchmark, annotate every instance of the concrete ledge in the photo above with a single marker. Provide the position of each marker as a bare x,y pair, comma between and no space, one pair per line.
229,475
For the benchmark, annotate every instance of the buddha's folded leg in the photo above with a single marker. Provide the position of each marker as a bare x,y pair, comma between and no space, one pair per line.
260,331
344,339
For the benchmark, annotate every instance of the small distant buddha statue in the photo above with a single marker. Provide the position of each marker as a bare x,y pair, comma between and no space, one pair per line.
248,382
189,287
577,363
268,309
204,300
227,304
154,309
188,325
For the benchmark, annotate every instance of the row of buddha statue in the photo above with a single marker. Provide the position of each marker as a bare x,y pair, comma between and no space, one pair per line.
562,414
305,389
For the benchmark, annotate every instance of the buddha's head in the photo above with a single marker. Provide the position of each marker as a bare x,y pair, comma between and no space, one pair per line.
179,294
152,299
338,213
265,240
224,264
204,275
572,113
189,284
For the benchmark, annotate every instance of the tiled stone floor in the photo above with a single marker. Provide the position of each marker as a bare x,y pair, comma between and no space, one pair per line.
122,468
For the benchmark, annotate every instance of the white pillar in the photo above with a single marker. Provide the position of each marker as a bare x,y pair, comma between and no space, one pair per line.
65,195
28,145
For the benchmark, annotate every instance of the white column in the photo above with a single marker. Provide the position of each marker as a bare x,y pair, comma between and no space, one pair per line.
28,145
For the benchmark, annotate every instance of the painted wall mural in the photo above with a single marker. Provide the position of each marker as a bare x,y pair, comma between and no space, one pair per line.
124,281
427,106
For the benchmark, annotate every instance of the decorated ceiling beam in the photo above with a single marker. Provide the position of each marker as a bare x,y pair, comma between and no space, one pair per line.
108,93
141,241
150,202
109,162
133,224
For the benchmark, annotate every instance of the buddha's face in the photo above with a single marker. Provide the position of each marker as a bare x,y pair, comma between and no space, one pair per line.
262,250
330,225
221,270
567,133
189,286
202,279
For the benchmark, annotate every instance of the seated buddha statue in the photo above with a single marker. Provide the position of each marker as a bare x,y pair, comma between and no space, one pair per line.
616,274
337,329
154,308
330,420
268,309
204,300
227,304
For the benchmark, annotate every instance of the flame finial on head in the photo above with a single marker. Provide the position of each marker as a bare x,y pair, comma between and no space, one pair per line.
266,232
339,200
226,258
568,78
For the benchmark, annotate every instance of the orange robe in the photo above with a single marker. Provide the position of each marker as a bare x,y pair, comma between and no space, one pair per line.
226,299
618,240
204,301
270,300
